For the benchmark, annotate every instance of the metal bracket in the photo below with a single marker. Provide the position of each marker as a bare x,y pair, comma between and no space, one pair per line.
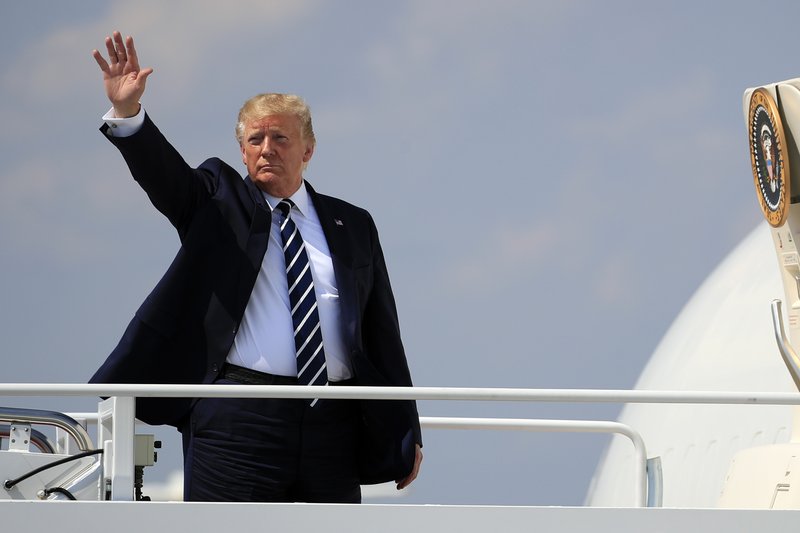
48,418
19,437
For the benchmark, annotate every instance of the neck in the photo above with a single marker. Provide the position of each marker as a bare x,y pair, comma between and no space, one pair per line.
279,191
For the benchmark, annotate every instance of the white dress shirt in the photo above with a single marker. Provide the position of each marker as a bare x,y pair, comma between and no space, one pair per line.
265,338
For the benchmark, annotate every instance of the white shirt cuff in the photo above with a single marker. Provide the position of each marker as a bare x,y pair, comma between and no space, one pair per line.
124,127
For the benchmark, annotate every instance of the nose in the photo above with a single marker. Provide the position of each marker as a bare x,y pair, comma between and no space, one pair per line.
267,147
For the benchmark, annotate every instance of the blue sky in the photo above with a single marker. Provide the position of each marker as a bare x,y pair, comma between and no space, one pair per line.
551,180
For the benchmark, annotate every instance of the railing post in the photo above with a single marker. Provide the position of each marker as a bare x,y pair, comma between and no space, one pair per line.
655,483
116,424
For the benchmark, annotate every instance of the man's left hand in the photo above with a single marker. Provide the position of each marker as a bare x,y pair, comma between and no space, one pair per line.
405,482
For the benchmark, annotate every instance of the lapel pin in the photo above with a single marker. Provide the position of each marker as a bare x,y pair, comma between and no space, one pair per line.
338,222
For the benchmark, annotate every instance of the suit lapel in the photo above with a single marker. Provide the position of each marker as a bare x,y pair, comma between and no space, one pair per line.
335,227
255,245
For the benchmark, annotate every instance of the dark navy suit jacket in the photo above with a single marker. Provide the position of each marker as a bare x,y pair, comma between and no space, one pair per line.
184,329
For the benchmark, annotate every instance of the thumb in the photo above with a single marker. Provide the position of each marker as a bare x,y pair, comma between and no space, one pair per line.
142,75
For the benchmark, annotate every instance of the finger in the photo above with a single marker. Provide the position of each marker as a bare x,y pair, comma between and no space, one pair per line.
143,74
119,47
131,51
112,54
100,61
122,52
406,481
403,483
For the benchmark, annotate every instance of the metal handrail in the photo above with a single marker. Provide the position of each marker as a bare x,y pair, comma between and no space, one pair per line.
130,391
564,426
49,418
784,346
642,490
38,438
402,393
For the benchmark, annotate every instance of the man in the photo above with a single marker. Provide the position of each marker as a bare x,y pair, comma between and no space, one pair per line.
274,283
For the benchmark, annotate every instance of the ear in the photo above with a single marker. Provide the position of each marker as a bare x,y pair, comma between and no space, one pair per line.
244,157
308,153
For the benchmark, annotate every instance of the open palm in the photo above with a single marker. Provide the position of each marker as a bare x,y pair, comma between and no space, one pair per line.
124,80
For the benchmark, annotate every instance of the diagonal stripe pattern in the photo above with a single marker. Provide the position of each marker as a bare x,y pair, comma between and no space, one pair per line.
305,315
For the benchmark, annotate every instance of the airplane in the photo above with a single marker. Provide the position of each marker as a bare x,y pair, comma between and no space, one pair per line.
728,338
712,444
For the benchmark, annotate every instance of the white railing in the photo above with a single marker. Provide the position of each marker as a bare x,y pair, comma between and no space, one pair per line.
402,393
119,461
640,488
643,486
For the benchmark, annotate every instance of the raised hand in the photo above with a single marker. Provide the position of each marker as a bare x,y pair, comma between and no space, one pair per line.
124,80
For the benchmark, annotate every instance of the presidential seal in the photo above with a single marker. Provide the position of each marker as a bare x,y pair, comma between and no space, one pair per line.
769,157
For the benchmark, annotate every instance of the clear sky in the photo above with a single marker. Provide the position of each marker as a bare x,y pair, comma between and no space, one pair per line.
551,180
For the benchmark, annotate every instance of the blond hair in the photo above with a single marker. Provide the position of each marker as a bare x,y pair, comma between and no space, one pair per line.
265,104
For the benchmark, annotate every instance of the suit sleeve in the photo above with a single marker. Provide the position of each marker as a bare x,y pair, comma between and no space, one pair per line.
174,188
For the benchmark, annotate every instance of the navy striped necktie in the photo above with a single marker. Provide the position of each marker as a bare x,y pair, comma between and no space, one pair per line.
305,315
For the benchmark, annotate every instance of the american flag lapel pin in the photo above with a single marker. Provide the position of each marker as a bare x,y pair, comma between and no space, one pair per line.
338,222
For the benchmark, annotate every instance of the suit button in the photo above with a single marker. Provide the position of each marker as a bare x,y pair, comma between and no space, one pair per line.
214,367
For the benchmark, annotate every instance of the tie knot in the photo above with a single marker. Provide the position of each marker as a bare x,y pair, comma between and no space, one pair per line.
284,206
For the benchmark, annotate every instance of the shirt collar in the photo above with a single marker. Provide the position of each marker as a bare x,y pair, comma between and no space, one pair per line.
300,199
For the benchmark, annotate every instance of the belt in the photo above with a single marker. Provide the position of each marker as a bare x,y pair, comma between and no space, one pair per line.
249,376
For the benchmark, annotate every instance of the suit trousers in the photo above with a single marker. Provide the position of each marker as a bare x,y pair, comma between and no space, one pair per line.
271,450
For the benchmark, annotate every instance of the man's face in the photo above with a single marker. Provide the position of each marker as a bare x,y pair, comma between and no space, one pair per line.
275,152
